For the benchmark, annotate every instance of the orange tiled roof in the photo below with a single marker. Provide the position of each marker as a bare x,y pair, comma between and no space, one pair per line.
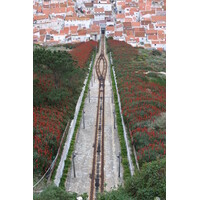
58,10
146,22
67,18
108,12
119,25
133,9
82,32
162,24
43,31
147,45
161,36
120,16
158,18
135,24
73,29
139,29
158,42
139,34
39,17
128,19
160,31
141,6
152,37
35,30
98,10
127,24
95,28
120,3
129,38
46,11
118,33
110,28
151,26
148,12
42,38
151,32
148,7
59,17
53,32
129,32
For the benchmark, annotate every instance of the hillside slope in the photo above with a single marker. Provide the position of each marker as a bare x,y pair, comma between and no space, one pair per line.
57,82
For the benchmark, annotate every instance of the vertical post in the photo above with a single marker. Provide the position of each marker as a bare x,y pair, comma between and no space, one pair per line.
94,75
114,118
89,95
119,156
112,96
83,119
110,78
73,156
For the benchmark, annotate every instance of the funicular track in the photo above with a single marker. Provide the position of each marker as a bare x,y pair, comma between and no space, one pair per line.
97,176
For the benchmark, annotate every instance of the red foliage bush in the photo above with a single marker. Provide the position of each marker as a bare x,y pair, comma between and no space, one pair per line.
82,52
142,101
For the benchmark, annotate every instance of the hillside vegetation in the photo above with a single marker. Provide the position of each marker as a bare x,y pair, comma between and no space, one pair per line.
146,184
141,83
142,92
57,82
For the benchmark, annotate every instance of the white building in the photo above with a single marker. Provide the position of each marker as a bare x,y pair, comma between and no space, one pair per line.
99,14
158,44
110,30
105,6
81,37
59,37
81,22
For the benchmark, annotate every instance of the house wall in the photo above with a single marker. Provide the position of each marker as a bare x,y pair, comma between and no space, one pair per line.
119,38
107,33
42,25
79,23
59,38
80,38
99,17
107,7
137,15
110,23
159,46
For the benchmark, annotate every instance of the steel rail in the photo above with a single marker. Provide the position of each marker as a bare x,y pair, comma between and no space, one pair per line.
97,176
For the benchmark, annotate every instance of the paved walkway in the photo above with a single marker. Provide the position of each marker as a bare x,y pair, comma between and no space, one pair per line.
112,146
85,141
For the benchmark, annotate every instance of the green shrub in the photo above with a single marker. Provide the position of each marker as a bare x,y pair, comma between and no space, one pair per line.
119,194
156,52
148,183
54,193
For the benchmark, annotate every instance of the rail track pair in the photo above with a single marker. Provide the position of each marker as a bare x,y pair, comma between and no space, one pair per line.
97,176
